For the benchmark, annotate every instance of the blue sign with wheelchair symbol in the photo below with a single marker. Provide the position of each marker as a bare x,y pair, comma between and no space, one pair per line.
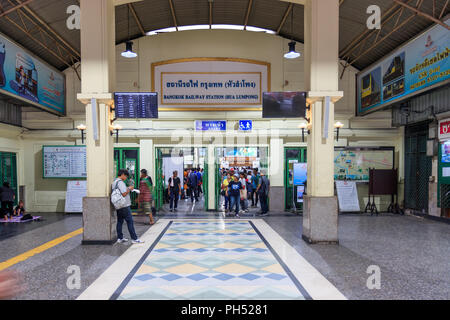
245,125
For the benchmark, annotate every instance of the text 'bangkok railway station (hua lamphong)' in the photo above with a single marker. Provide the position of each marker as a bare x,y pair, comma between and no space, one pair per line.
238,151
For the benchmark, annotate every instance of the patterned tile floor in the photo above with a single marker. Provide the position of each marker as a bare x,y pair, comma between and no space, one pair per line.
215,259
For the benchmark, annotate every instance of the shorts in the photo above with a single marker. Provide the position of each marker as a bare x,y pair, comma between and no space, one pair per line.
145,207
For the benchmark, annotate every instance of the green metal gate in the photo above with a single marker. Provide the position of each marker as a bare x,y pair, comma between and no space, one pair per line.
205,182
8,171
417,167
128,158
159,180
218,176
292,155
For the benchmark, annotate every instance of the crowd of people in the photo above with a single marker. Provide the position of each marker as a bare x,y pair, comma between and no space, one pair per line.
242,185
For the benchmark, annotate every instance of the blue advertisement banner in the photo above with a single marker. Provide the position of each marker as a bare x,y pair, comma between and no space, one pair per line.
210,125
300,173
422,63
24,76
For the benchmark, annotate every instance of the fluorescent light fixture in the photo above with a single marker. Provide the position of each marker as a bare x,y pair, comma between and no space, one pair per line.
128,53
292,54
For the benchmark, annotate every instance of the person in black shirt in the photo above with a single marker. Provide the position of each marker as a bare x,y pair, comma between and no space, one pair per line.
233,192
174,190
7,197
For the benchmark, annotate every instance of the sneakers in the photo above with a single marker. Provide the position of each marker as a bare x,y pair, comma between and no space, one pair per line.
122,240
237,215
137,241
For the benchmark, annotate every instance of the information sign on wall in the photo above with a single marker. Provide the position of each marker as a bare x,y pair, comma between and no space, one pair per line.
64,162
24,76
422,63
210,83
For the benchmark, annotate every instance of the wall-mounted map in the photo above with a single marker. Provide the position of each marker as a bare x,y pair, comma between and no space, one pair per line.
354,163
64,161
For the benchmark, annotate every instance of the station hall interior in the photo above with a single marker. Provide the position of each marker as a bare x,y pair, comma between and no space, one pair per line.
267,149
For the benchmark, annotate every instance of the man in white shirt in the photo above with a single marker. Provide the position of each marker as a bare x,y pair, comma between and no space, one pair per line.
125,213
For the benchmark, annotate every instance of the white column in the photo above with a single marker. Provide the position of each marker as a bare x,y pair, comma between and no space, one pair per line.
276,174
97,82
147,157
320,217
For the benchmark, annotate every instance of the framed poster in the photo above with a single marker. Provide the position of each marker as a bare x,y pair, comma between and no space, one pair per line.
64,162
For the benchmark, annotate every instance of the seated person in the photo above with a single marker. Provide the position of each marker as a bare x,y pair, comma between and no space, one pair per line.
20,209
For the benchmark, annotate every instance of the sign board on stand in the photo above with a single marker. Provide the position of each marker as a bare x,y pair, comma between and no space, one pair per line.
347,196
76,191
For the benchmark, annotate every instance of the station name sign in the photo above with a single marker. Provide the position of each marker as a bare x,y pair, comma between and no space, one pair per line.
210,83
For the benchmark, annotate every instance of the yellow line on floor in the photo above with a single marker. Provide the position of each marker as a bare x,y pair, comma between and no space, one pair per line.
26,255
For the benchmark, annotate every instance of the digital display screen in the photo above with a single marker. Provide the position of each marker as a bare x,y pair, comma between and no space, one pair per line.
132,105
284,105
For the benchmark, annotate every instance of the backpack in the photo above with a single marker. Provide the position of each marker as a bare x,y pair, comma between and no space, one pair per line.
26,217
117,199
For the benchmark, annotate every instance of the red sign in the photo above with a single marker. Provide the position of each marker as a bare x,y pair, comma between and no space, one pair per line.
444,127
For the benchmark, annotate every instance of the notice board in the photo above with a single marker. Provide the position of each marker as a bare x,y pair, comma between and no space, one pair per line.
67,162
351,163
76,191
347,196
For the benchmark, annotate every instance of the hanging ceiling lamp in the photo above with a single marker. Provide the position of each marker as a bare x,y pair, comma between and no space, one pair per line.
128,53
292,54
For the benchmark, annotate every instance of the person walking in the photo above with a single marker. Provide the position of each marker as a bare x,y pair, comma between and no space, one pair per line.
7,198
243,192
200,182
124,214
193,184
225,182
263,192
174,190
145,198
234,188
255,182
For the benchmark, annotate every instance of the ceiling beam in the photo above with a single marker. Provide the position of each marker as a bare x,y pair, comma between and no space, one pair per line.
4,13
61,53
443,9
210,13
249,8
396,28
136,18
356,41
174,17
34,15
121,2
286,14
423,14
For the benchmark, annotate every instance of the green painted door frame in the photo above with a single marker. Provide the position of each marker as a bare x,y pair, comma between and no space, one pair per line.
8,171
292,154
128,158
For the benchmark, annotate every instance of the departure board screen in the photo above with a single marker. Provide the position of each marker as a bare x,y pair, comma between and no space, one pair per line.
132,105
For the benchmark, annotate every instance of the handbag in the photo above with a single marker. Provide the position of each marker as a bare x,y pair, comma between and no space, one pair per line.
117,199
